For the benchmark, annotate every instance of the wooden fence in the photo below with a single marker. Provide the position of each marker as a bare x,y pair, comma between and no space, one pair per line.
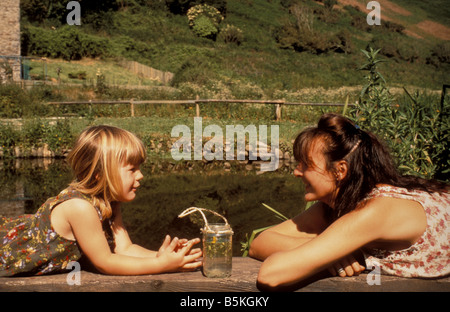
278,103
147,71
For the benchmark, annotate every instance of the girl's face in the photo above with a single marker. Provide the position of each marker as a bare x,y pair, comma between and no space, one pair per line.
131,175
320,183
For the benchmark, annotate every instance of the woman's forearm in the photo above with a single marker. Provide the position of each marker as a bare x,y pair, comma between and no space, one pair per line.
270,242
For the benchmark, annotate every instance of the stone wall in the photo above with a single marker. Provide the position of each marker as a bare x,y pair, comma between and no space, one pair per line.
10,40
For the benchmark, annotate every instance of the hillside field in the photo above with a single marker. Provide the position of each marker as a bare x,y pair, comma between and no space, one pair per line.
274,49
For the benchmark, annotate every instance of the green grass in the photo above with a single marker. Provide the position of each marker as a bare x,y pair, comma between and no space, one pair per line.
114,73
162,40
436,10
159,126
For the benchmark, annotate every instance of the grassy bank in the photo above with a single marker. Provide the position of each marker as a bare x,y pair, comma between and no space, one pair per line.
276,50
59,135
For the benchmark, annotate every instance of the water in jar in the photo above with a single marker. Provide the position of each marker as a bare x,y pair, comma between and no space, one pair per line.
217,253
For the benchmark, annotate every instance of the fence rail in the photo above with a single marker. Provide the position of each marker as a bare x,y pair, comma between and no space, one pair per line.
278,103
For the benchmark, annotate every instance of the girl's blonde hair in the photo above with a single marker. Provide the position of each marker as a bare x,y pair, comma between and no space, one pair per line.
96,158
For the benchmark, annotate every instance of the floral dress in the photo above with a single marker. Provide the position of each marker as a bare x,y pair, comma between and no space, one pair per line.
30,246
429,257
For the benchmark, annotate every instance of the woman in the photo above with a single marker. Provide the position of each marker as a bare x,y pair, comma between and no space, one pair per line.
399,222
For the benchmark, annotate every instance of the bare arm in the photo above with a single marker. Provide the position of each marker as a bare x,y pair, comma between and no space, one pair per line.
125,246
380,220
289,234
340,239
88,232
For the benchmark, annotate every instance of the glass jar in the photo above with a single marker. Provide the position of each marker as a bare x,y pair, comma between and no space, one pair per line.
217,250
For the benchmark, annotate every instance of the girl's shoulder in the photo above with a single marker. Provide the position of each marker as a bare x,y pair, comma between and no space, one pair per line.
79,206
71,193
74,202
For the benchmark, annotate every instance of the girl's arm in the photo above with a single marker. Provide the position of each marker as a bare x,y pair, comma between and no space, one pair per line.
290,234
88,232
125,246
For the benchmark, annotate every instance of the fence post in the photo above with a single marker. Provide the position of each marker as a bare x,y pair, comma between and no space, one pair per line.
132,107
197,107
278,111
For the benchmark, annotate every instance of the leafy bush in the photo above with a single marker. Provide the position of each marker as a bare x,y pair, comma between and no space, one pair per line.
59,136
204,20
440,54
66,42
56,12
196,70
297,32
12,98
204,10
205,28
315,42
231,34
397,46
8,139
132,49
34,133
413,128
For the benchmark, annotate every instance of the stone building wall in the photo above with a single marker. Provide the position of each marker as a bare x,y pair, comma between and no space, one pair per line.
10,39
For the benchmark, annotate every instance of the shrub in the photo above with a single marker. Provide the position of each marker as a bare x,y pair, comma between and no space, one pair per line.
440,54
196,70
413,129
204,20
297,32
204,10
396,46
59,136
204,27
231,34
12,99
133,49
8,140
66,42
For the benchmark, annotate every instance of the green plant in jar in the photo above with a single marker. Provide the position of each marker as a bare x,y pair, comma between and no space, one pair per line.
217,245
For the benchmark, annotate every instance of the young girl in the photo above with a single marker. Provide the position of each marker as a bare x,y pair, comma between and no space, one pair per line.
85,218
399,222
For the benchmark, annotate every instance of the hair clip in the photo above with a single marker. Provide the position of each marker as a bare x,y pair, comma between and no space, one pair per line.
357,127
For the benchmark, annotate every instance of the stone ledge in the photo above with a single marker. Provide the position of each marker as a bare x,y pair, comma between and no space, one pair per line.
243,279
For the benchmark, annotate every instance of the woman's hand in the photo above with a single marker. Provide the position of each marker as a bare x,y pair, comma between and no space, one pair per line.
347,266
178,255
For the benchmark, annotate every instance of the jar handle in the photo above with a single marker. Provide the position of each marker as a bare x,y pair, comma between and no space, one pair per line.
194,209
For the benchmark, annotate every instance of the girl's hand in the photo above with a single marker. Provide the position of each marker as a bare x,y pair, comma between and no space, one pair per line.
347,266
178,255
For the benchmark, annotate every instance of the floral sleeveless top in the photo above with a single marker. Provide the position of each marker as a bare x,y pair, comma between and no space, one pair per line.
30,246
429,257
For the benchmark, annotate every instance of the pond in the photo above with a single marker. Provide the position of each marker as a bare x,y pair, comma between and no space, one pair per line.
236,190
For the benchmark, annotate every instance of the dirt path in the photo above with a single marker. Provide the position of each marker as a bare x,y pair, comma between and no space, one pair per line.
434,29
390,12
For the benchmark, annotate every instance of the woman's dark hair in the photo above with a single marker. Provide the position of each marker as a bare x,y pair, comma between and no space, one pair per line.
369,161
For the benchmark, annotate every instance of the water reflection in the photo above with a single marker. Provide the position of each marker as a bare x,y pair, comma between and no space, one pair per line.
233,189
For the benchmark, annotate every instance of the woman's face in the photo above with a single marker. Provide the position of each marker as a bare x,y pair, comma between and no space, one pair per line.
320,183
130,175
